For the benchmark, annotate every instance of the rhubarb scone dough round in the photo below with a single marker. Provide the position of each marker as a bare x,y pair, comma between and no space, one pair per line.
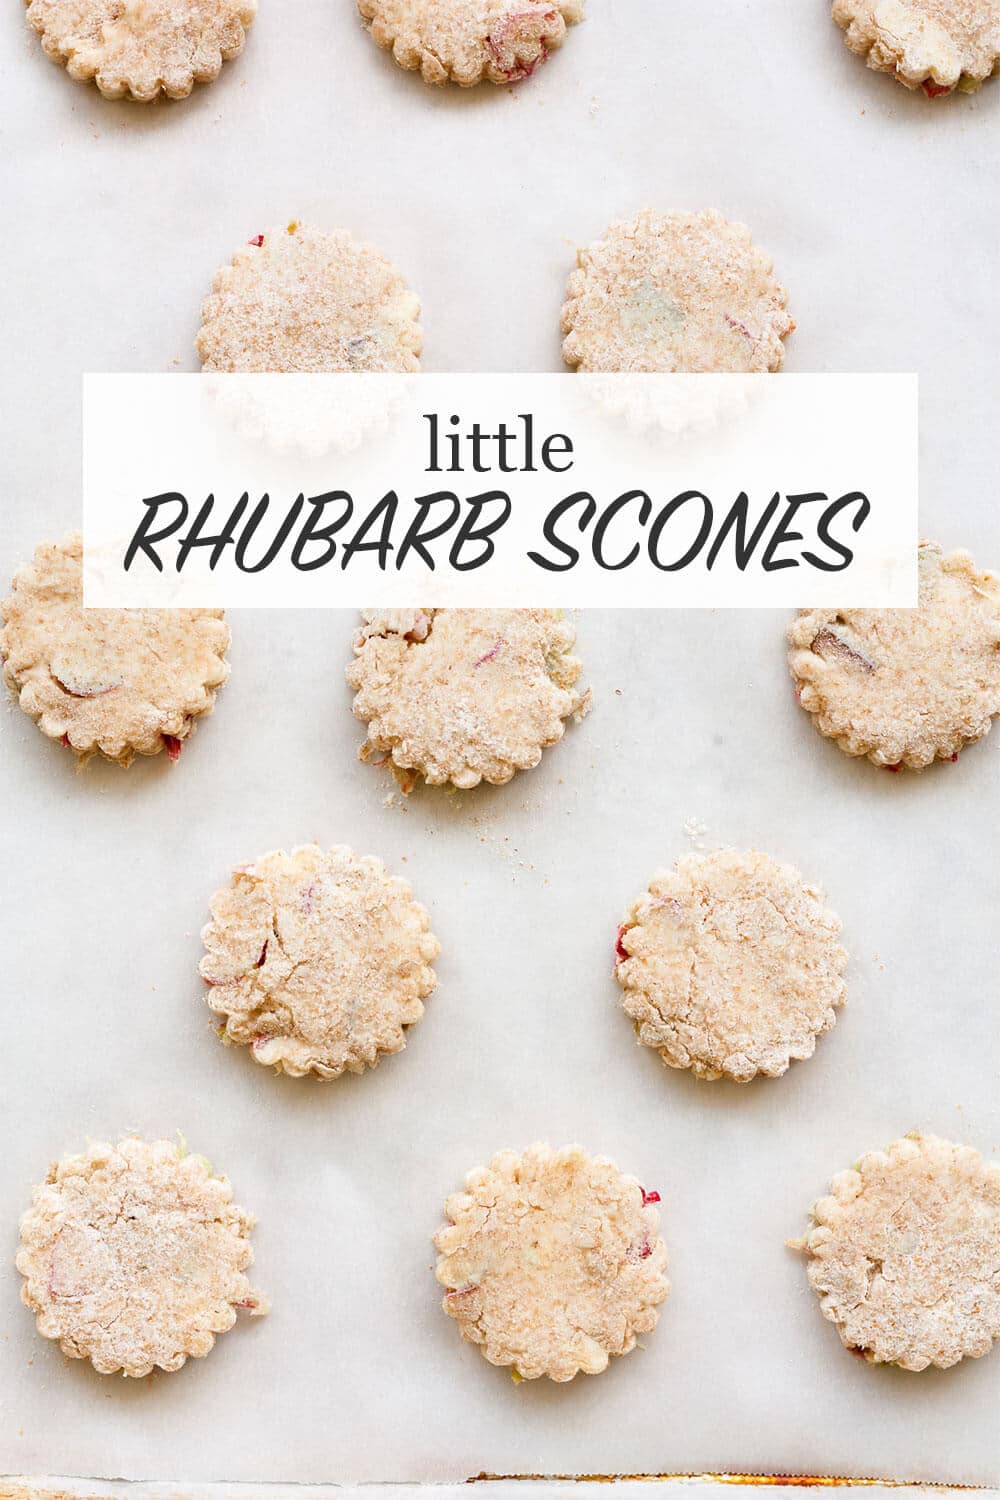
142,48
469,41
318,960
679,292
552,1262
904,1252
935,45
464,695
122,682
730,965
300,299
133,1256
905,686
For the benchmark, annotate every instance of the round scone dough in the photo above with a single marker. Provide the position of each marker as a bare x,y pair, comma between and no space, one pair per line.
935,45
675,293
123,682
142,48
300,299
904,1254
463,695
468,41
317,960
730,965
133,1256
905,686
552,1262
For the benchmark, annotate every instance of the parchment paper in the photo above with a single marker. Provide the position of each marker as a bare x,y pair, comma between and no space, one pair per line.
881,213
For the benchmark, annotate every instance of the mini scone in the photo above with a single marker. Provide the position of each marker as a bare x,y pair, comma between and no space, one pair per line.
133,1256
299,299
142,48
552,1262
463,695
678,292
468,41
730,965
935,45
905,686
904,1251
123,682
318,959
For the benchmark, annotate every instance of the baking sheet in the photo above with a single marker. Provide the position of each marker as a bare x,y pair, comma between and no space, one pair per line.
879,212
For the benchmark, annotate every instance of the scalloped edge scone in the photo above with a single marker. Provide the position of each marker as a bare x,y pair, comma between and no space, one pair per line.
552,1262
905,686
296,298
730,965
683,293
469,41
133,1257
904,1254
142,48
463,695
935,45
318,960
122,682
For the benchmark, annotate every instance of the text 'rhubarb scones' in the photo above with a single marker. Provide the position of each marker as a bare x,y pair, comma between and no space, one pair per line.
552,1262
463,695
123,682
730,965
318,959
299,299
905,686
142,48
468,41
675,293
904,1254
934,45
133,1256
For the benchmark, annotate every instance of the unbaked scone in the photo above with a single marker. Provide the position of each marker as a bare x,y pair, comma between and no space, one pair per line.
552,1261
905,1254
468,41
299,299
675,293
318,959
934,45
730,965
123,682
463,695
133,1256
905,686
142,47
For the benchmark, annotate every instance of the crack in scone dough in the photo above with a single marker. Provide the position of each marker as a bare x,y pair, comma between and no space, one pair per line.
730,965
905,1254
318,959
467,41
299,299
552,1262
464,695
133,1257
124,682
142,47
905,686
681,292
937,45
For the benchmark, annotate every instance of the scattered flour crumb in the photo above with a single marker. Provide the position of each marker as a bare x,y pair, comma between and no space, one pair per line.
696,832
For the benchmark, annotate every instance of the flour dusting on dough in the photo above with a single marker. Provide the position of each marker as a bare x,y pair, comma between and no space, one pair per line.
552,1262
904,1254
730,965
133,1256
463,695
